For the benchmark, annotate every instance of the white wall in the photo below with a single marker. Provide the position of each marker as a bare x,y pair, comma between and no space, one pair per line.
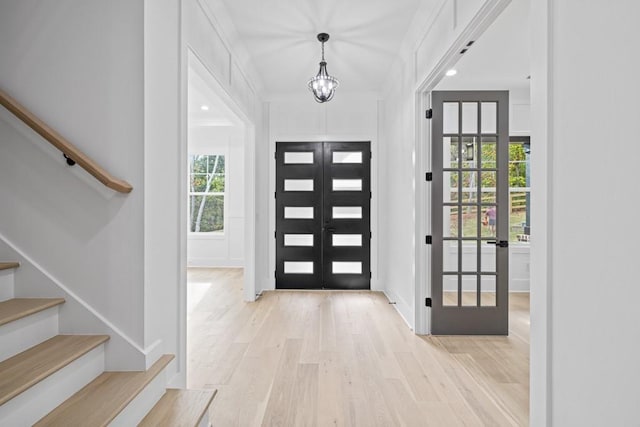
111,78
348,117
589,126
226,250
402,176
79,67
208,37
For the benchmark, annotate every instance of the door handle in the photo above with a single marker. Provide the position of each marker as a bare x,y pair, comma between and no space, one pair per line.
500,243
329,229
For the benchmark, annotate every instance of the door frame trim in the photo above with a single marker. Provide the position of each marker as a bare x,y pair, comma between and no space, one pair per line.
541,40
487,14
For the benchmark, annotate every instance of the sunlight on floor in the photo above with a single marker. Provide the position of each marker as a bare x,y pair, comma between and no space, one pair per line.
195,293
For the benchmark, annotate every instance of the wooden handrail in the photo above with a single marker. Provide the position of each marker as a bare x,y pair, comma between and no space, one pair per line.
69,150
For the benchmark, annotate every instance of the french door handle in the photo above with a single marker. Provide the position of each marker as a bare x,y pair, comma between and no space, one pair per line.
329,229
500,243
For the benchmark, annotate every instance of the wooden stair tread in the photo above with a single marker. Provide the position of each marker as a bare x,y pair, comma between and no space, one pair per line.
100,401
8,265
17,308
179,408
26,369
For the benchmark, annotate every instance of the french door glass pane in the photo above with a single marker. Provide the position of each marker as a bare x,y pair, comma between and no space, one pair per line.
450,117
450,251
450,186
450,152
469,221
470,257
488,155
450,290
489,221
488,258
450,221
488,294
488,181
469,290
489,117
469,152
469,117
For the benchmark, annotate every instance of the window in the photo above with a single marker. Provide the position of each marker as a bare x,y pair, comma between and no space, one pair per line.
207,176
519,189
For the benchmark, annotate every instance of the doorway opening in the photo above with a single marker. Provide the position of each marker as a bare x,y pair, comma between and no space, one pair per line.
492,54
219,209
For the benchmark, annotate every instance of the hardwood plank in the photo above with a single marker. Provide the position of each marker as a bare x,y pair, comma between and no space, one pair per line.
8,265
100,401
26,369
348,358
179,408
17,308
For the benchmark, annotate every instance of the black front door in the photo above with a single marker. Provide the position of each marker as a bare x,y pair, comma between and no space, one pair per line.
323,194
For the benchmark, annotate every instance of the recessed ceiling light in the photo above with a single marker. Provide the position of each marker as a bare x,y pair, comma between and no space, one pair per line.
451,72
204,107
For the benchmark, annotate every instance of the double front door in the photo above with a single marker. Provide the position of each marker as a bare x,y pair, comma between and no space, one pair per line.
323,198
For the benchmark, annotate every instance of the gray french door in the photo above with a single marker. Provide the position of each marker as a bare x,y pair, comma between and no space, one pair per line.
323,199
470,208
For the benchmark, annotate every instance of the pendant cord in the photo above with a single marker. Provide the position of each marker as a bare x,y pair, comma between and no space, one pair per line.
322,51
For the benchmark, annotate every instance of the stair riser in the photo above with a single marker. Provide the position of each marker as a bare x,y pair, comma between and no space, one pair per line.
24,333
34,403
6,285
143,402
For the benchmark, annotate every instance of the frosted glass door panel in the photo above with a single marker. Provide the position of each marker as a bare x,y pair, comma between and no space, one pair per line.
347,157
347,240
347,185
298,185
346,267
347,212
298,158
298,267
298,213
298,239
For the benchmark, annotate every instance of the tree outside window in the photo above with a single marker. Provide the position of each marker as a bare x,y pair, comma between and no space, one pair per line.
206,193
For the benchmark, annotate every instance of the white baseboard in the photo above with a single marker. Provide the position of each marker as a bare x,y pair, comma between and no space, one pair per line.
401,306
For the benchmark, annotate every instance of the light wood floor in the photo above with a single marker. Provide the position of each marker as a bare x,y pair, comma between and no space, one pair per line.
346,358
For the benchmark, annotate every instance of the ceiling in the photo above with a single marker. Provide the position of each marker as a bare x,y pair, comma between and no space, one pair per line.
205,108
366,35
499,59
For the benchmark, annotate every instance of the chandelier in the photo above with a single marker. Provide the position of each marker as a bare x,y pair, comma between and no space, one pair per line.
323,85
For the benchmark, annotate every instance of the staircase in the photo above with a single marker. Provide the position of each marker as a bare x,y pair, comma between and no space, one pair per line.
51,379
